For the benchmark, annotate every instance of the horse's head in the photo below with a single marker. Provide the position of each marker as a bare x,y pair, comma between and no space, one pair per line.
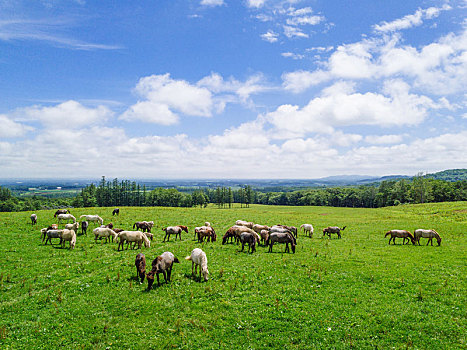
150,278
205,273
293,248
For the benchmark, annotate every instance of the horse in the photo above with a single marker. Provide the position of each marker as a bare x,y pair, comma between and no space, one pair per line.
281,237
250,238
162,264
65,217
172,230
333,229
208,233
406,235
84,227
198,257
33,219
307,228
116,211
61,211
93,218
144,226
140,263
430,234
132,236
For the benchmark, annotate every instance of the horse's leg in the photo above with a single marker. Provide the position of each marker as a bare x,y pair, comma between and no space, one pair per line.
165,276
158,283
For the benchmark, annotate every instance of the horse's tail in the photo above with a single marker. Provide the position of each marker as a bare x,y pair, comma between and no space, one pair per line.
134,225
343,228
387,233
176,260
188,257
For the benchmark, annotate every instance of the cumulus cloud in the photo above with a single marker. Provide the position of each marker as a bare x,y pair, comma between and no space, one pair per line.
410,21
66,115
340,105
11,129
165,96
439,67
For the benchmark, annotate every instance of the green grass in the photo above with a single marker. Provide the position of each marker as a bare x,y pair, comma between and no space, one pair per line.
357,292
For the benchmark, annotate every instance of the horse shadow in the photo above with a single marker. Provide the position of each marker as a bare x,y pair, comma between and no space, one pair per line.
192,277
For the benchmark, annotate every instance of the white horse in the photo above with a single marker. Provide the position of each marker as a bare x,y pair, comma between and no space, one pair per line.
430,234
307,228
93,218
65,217
198,257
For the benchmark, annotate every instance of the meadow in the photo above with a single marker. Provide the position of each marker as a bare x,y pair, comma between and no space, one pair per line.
355,292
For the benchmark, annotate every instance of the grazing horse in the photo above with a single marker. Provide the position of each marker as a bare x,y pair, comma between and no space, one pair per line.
93,218
61,211
172,230
84,227
65,217
198,257
250,238
333,229
430,234
307,229
144,226
208,233
406,235
162,264
140,263
116,211
281,237
132,236
33,219
292,229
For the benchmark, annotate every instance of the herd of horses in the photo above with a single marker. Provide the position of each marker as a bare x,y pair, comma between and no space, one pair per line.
244,233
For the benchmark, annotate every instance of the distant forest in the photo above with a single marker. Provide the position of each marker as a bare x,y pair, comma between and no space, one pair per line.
440,187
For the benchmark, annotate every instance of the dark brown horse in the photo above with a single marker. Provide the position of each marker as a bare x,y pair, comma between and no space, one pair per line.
61,211
140,263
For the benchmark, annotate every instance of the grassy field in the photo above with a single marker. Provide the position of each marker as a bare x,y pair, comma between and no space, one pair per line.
357,292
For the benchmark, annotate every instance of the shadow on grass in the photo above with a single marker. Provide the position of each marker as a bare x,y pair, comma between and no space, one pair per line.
194,277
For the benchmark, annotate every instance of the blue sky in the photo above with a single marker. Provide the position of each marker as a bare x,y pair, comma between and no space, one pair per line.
232,89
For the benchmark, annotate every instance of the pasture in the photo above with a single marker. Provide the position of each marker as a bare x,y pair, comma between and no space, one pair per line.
355,292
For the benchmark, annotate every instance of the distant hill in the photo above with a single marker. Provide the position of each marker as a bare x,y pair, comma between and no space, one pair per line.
449,175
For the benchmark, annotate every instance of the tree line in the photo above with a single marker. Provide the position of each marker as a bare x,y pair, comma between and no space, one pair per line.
115,193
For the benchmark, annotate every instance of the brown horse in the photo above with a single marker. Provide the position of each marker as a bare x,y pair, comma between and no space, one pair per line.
140,263
406,235
333,229
430,234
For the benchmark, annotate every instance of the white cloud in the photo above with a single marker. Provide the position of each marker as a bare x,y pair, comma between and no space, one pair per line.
299,81
11,129
310,20
150,112
167,95
439,67
255,3
212,2
339,105
66,115
292,32
270,36
295,56
410,21
384,139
